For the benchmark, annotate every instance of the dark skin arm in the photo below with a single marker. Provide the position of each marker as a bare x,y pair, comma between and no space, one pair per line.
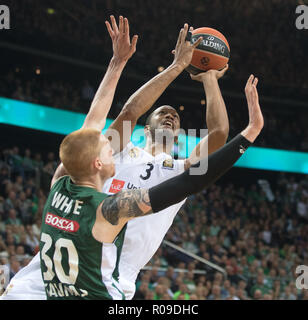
216,117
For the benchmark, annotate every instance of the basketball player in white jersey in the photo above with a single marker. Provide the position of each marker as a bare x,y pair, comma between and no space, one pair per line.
147,167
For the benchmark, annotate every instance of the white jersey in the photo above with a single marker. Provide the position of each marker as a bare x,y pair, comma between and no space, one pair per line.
135,168
27,284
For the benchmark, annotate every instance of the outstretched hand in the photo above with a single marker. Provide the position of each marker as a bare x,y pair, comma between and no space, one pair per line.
255,114
184,49
123,47
256,121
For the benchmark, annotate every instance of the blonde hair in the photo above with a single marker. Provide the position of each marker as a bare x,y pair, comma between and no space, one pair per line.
78,150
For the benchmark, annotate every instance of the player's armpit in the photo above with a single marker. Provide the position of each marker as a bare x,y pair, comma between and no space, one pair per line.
127,204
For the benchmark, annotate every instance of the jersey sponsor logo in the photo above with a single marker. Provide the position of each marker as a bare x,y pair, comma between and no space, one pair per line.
168,164
131,186
116,186
61,223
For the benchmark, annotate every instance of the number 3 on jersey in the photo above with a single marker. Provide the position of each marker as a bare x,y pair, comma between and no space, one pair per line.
148,171
73,259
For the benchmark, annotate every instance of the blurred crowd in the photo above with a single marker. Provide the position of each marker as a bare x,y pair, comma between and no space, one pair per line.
258,240
258,236
55,93
23,177
256,30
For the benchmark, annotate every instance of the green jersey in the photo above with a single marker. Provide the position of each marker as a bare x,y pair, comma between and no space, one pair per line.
74,264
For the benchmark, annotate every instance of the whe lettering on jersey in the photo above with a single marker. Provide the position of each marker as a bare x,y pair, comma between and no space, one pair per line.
65,204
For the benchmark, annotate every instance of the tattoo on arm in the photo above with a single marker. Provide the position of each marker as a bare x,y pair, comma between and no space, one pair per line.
126,204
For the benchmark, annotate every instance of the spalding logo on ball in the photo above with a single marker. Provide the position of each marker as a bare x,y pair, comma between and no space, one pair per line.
212,53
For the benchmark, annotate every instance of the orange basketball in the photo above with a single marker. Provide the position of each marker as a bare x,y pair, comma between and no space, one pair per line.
212,53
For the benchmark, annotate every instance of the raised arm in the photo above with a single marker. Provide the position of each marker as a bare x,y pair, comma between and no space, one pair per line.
123,49
143,99
216,117
128,204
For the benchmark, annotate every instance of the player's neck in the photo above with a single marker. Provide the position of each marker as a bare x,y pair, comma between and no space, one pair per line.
157,148
95,182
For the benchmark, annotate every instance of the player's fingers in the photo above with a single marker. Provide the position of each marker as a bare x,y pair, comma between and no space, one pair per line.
255,90
193,77
255,82
223,71
248,89
121,25
126,26
179,38
134,42
114,24
110,31
249,82
195,45
251,78
226,67
184,33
